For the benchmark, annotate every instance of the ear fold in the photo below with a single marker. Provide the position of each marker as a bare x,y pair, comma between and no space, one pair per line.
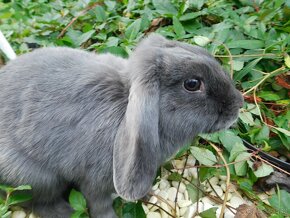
136,148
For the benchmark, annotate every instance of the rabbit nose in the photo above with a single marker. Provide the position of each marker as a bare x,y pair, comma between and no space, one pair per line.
241,99
241,104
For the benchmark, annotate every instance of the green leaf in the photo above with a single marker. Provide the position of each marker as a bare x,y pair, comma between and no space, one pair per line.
248,68
77,37
206,173
246,44
236,150
100,13
7,214
269,96
286,132
79,214
77,200
18,197
238,65
116,50
263,134
182,150
23,187
280,201
241,165
133,30
118,206
209,213
85,37
198,4
6,188
174,177
3,209
178,28
190,16
229,139
262,171
201,40
133,210
213,137
276,216
245,184
194,193
164,7
247,118
204,156
287,60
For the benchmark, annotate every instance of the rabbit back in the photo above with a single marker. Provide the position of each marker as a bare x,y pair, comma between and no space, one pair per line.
59,110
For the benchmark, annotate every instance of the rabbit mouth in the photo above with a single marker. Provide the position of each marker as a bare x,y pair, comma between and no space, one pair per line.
222,123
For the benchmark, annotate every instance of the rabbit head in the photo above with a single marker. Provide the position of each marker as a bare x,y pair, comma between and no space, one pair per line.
176,92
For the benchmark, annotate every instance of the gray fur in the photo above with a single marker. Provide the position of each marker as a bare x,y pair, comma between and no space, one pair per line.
104,123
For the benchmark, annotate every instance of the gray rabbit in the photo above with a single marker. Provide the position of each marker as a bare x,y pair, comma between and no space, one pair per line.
103,123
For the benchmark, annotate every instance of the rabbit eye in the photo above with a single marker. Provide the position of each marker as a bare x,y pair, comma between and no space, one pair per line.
192,85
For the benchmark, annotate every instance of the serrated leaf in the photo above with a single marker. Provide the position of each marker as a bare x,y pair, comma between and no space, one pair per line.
280,201
247,118
213,137
133,30
77,200
204,156
241,163
262,171
209,213
236,150
164,7
229,139
178,28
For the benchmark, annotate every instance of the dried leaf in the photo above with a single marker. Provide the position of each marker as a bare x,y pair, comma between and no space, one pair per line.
249,211
251,98
283,81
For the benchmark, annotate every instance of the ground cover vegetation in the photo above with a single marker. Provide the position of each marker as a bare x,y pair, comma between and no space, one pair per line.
249,37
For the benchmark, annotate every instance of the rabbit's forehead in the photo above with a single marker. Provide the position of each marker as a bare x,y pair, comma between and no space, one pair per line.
202,67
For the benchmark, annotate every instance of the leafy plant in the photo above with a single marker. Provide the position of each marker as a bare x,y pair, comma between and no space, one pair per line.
250,39
12,196
78,203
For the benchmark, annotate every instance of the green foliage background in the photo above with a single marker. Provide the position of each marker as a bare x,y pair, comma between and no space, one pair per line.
249,37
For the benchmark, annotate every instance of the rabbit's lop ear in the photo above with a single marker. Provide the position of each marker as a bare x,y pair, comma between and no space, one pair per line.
135,155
